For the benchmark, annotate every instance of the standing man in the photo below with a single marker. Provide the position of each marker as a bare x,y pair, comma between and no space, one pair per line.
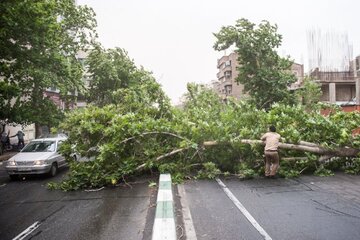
20,136
271,140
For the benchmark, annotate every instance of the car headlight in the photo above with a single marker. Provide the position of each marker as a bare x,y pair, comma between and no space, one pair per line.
11,163
39,162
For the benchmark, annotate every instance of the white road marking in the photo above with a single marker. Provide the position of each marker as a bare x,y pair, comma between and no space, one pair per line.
164,229
165,178
27,231
188,222
243,210
164,195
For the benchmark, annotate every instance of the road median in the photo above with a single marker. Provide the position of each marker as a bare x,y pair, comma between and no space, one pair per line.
164,224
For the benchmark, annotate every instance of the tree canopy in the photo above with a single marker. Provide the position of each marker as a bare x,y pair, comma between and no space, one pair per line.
112,71
39,41
264,74
309,93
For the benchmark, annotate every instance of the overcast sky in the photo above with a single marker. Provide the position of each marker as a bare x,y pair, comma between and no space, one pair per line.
174,39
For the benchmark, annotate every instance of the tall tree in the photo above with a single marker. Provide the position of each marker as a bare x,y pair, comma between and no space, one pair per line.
110,71
264,74
39,41
310,93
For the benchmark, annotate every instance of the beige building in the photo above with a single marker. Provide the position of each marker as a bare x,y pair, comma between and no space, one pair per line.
298,70
226,84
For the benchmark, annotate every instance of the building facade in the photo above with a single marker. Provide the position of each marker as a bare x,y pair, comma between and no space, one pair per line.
226,86
340,87
298,71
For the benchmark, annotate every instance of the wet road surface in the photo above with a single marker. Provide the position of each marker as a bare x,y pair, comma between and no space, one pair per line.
112,213
305,208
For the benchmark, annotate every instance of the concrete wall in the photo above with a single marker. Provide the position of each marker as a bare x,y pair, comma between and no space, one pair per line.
345,92
325,93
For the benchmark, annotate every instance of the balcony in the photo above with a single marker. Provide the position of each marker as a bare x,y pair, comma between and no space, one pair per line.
333,76
336,80
227,83
228,74
227,68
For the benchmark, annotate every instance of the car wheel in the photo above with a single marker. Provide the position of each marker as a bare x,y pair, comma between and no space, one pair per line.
53,170
14,177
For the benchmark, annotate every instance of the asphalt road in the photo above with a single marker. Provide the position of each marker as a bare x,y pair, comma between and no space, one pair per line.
121,212
299,209
305,208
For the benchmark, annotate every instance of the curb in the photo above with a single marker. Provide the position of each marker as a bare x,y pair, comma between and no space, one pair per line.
164,224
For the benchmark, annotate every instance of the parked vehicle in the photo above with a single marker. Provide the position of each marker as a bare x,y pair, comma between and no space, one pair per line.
39,156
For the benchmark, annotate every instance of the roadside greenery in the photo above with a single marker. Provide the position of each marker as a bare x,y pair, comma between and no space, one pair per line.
39,41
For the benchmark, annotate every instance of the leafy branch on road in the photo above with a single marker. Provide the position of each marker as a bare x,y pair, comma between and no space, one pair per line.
203,139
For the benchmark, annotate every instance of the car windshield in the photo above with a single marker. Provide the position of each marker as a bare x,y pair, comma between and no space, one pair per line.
45,146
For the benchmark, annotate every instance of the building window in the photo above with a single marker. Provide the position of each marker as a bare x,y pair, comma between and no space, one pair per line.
227,74
228,89
228,63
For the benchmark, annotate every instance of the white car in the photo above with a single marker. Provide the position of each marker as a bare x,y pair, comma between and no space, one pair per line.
40,156
79,158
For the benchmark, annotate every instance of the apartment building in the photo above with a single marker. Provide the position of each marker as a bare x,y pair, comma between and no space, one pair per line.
225,84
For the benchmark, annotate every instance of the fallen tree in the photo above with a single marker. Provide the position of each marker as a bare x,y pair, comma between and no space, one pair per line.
325,153
204,139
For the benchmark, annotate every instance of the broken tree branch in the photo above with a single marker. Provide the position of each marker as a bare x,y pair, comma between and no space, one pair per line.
308,147
164,156
154,133
304,146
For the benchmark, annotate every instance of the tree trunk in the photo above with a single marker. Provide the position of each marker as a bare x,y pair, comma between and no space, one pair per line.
305,147
325,153
38,130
